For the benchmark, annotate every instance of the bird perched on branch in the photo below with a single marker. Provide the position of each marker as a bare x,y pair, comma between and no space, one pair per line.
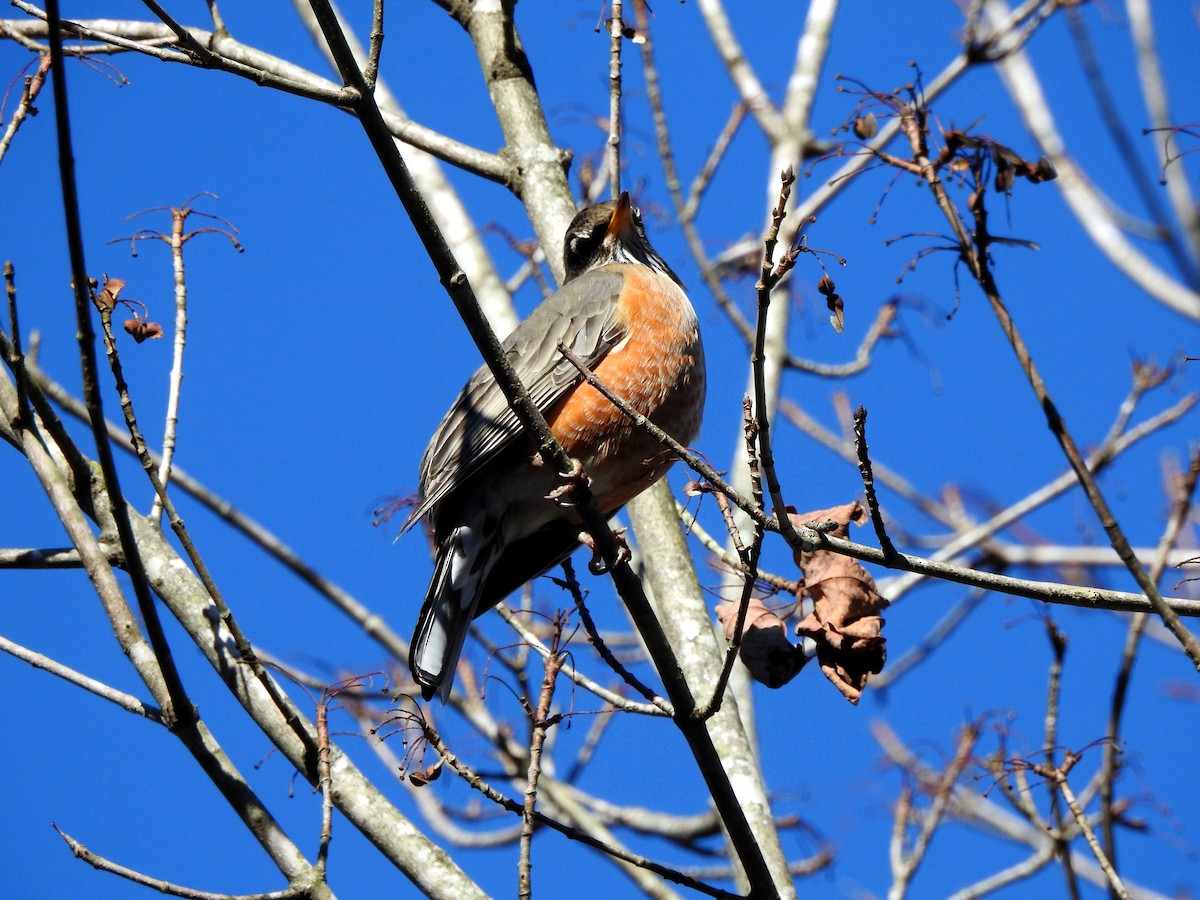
487,497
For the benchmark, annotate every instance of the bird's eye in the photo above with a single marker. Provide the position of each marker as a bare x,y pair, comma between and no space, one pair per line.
582,243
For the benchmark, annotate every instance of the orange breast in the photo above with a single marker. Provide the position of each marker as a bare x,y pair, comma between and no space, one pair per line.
659,371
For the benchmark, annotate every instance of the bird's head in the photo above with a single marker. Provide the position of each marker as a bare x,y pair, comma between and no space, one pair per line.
610,232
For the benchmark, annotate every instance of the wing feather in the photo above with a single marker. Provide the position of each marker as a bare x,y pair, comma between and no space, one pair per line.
479,424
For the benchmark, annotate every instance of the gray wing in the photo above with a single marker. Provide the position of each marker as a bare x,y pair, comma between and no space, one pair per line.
479,425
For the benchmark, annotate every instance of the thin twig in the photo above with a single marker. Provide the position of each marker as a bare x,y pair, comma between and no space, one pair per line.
176,707
615,28
1180,508
166,887
1058,833
31,88
571,583
324,783
1089,835
1026,868
540,723
771,275
749,557
868,478
16,355
692,525
245,650
371,69
657,707
127,702
176,241
904,864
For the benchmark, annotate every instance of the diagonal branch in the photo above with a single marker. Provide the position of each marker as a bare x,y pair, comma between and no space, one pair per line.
628,585
31,89
974,250
447,207
40,661
177,708
229,55
1081,195
1154,91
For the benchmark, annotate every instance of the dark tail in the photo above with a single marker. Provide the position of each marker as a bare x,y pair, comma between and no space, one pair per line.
450,607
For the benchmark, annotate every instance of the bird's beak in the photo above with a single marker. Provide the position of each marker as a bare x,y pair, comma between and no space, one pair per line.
621,222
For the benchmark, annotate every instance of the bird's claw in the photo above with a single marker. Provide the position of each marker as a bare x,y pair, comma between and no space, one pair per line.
597,566
571,481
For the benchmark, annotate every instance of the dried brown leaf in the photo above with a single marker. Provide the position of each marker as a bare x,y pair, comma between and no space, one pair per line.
431,772
845,623
107,298
143,331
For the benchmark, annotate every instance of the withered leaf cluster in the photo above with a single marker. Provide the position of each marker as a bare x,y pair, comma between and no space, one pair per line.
833,300
142,330
845,622
106,300
1008,163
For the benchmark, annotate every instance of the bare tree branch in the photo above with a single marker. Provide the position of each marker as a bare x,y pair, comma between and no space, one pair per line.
262,68
1154,91
1092,213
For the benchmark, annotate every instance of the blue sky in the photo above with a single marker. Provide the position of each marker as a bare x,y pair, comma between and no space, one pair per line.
320,360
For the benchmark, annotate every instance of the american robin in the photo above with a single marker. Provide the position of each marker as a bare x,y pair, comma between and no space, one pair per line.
485,493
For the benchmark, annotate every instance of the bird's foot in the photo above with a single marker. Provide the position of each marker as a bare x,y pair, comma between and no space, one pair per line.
597,566
571,481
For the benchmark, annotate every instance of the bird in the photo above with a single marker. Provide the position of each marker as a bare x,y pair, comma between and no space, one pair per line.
485,494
